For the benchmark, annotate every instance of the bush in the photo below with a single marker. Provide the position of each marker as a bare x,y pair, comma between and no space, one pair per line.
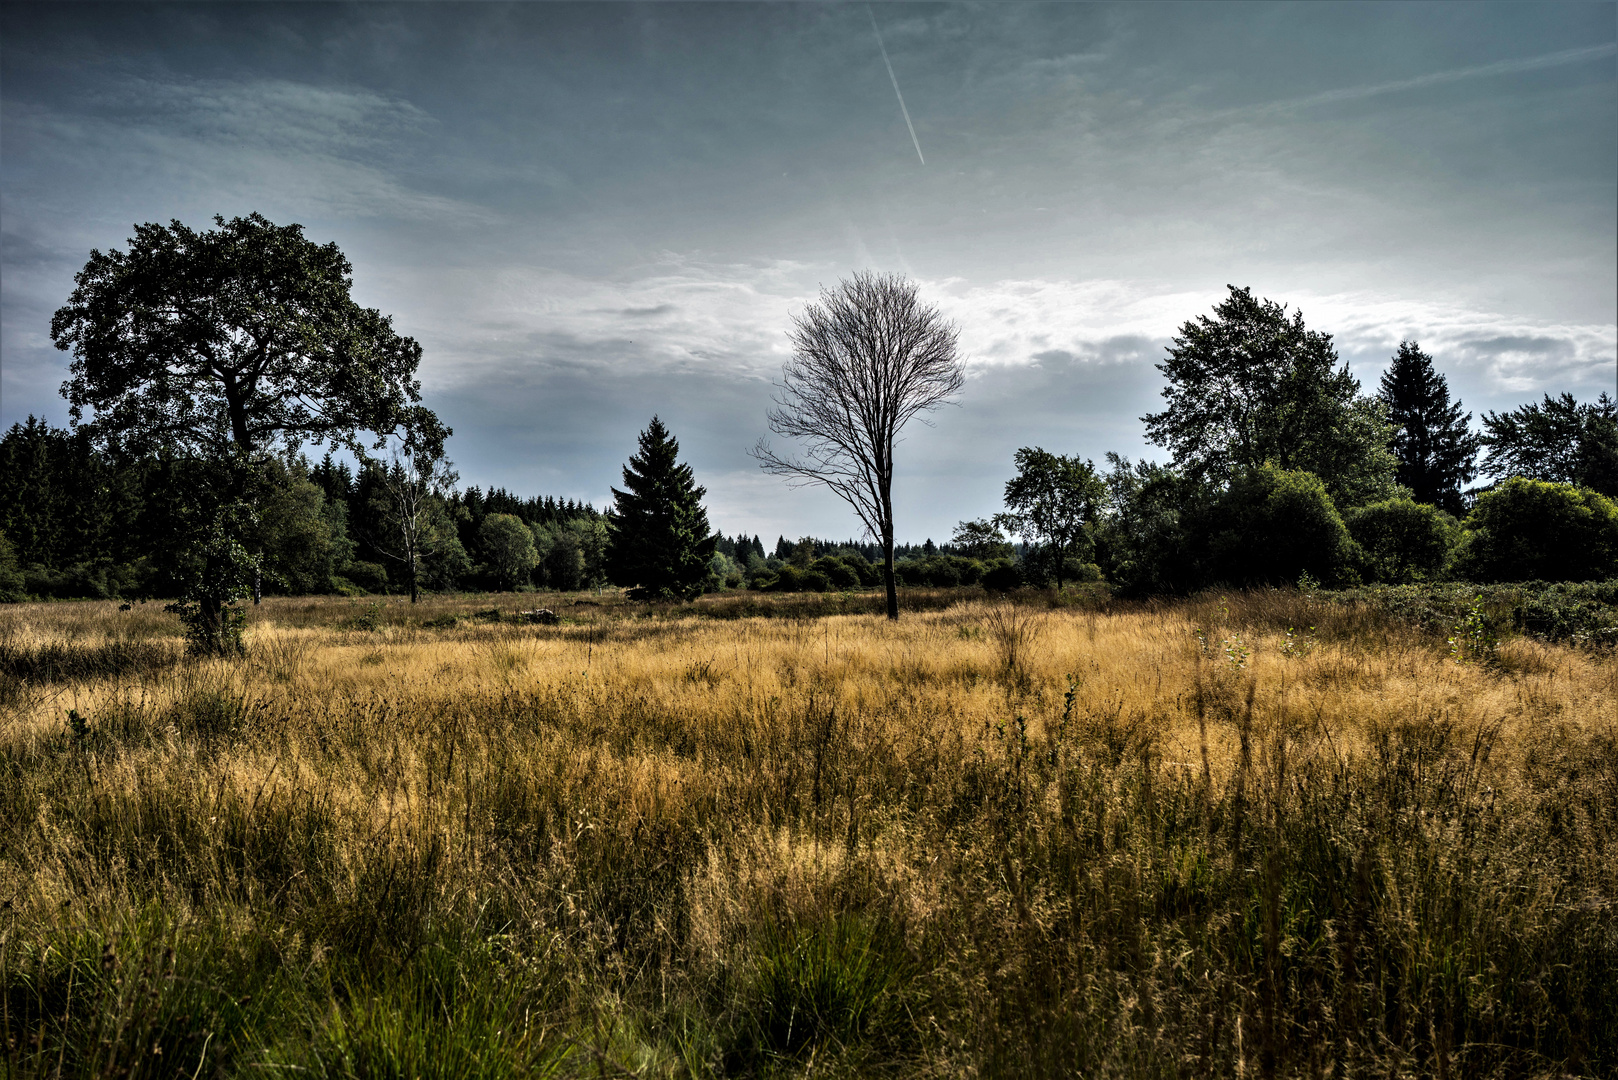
1272,526
1401,541
1527,530
368,576
837,571
1002,575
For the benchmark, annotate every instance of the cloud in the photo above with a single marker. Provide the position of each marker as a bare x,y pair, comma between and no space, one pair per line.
266,143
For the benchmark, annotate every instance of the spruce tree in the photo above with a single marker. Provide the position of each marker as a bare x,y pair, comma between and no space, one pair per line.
1435,446
660,541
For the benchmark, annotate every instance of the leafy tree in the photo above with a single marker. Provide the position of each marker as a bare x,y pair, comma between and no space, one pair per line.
301,536
1253,386
981,539
1527,530
1402,541
1559,441
660,542
1432,440
866,360
233,339
11,580
508,547
1144,541
219,345
1053,502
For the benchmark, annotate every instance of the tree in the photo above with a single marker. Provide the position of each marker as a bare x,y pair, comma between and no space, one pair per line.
981,539
1559,441
1432,439
1052,502
1252,386
414,485
866,359
508,546
1526,530
217,345
230,340
660,542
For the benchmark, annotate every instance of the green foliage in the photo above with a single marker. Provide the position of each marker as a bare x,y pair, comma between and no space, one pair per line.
1527,530
11,580
1053,503
221,572
1251,386
1431,439
508,549
1272,526
659,539
982,540
1557,440
302,537
232,338
1002,576
1401,540
823,983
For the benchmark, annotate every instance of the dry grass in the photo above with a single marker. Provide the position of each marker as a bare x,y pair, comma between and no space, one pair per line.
993,838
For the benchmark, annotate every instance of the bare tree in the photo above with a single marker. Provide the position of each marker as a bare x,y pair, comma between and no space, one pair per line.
414,484
865,360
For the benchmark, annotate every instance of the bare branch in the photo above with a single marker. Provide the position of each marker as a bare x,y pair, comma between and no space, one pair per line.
866,359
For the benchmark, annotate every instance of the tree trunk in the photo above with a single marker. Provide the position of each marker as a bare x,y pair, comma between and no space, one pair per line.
887,574
213,625
414,592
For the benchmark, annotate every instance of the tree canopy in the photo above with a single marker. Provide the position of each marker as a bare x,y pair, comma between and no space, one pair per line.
1253,386
1432,440
1051,503
660,540
234,339
1559,441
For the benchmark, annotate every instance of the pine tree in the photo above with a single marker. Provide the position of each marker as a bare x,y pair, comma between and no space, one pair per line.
1433,441
660,540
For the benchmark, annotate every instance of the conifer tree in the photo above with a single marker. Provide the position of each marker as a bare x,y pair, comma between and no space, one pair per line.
660,541
1433,441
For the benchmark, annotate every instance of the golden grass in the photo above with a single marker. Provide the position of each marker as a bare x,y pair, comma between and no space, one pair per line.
621,805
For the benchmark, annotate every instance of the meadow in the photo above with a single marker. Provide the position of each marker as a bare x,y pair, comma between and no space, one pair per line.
1255,834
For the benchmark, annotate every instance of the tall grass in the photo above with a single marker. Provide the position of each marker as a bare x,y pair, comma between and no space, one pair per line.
986,840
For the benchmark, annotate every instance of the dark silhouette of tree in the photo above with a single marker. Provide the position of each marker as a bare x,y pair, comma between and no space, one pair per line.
218,345
1433,441
660,540
866,359
1558,440
1253,386
231,340
1051,503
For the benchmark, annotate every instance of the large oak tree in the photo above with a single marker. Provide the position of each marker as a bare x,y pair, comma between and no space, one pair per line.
233,340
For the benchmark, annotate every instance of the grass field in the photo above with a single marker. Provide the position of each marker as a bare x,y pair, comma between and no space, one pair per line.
761,836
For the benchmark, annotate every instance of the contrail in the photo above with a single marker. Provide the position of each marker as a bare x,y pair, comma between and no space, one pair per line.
895,79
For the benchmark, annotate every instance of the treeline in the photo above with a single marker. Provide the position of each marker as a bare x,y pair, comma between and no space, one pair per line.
76,522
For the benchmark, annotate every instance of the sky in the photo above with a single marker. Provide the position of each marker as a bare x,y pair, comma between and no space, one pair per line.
590,213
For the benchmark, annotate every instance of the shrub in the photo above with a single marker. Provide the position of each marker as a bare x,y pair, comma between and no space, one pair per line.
1002,575
368,576
838,572
1401,541
1527,530
1272,526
